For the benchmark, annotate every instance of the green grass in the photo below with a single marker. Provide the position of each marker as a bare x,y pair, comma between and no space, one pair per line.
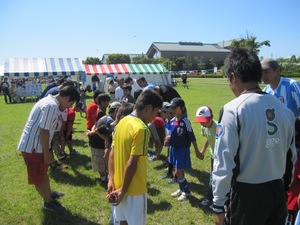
85,199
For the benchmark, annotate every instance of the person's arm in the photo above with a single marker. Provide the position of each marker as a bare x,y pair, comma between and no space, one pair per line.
205,145
111,173
130,169
48,156
198,153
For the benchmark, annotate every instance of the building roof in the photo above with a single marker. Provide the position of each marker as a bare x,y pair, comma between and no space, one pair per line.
186,47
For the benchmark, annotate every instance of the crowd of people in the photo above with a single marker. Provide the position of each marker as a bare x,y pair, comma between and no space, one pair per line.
254,168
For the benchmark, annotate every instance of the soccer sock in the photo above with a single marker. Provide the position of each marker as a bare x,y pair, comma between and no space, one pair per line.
183,185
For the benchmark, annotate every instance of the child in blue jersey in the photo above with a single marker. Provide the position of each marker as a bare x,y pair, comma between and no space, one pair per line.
180,137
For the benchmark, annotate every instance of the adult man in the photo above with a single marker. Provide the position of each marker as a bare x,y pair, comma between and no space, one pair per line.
254,149
36,139
285,89
5,88
119,90
128,161
142,82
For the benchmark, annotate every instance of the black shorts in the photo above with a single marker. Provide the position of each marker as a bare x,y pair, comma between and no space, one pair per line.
259,204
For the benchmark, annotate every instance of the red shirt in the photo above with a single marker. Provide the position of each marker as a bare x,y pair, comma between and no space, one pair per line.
294,189
92,112
158,122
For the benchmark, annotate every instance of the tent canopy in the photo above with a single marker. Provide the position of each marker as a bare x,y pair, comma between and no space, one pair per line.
154,73
118,69
34,67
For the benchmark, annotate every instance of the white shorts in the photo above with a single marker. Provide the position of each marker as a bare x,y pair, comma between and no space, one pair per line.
133,209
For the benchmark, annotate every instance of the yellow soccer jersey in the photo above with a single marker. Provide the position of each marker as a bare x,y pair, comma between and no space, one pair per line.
131,138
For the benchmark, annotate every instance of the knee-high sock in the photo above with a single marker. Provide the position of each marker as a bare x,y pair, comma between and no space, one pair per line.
183,185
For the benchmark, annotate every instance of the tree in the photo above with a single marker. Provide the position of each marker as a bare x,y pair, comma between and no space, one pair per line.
92,60
118,58
249,41
201,63
141,60
210,64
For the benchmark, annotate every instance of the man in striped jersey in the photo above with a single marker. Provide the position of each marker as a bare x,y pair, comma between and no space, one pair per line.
285,89
36,139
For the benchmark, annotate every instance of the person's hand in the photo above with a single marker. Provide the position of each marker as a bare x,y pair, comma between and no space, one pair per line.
87,133
115,197
48,157
219,218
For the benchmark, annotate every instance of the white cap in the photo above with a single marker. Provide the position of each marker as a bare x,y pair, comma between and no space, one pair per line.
204,114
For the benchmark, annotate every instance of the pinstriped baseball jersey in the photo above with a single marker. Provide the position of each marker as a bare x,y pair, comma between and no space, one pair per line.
252,141
44,114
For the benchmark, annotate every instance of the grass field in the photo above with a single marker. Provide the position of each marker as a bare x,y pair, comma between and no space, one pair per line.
84,197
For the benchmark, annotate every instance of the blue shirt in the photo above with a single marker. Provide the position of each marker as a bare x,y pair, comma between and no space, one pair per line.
287,91
181,133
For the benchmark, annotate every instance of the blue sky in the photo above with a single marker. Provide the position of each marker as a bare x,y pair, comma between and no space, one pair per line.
91,28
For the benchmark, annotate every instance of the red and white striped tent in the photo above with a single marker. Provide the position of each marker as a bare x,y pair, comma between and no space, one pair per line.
154,73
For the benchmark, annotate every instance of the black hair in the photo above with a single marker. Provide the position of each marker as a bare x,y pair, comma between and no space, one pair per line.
141,79
148,97
71,92
125,109
137,93
103,98
244,63
96,93
128,80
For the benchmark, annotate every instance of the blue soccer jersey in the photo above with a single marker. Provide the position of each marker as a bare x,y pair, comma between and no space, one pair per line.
287,91
181,133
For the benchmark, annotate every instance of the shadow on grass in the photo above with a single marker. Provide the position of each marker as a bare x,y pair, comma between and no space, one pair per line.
161,206
52,218
78,179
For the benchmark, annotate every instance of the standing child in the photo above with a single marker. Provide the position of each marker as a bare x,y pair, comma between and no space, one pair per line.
204,116
68,129
180,139
167,115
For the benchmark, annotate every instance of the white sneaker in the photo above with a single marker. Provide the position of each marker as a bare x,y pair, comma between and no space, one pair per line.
184,196
176,193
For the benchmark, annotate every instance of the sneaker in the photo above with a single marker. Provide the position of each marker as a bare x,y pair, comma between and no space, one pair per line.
54,206
61,156
56,195
167,175
56,166
176,193
163,164
151,152
74,153
184,196
211,206
153,158
205,202
173,181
